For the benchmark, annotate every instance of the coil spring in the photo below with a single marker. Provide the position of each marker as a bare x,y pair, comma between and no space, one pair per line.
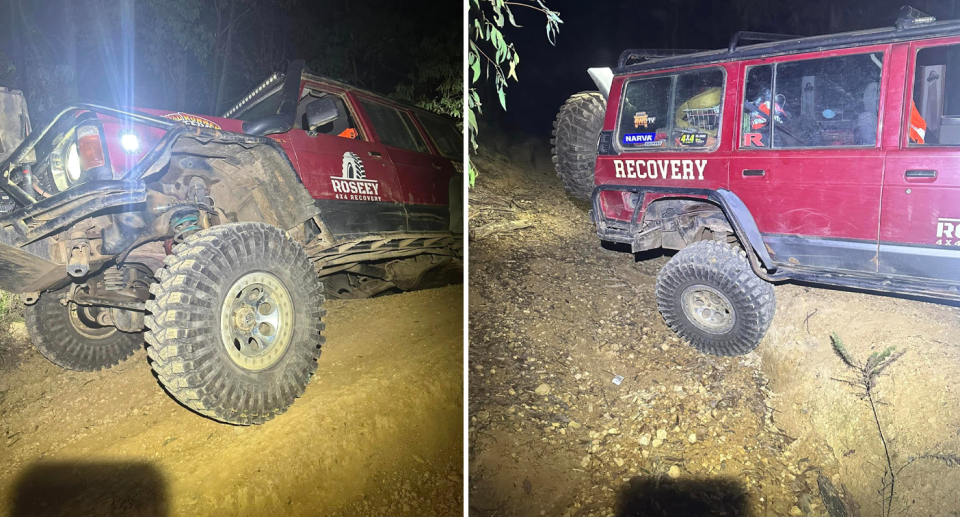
185,225
113,279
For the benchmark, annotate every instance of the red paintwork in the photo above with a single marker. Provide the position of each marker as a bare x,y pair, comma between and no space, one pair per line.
842,193
402,176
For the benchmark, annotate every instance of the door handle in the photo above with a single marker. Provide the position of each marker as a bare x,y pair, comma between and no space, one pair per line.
920,173
754,172
374,154
435,166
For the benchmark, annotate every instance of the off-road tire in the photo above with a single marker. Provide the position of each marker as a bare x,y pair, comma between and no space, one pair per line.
576,133
721,268
184,337
70,342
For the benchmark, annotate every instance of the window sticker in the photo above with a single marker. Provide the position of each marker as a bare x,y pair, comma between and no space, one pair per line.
639,138
640,119
693,139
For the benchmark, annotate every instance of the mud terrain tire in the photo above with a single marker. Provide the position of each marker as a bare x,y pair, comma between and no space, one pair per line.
69,336
709,295
231,280
576,133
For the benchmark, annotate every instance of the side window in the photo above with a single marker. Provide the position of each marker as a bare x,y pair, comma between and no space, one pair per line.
677,111
935,109
814,103
344,126
395,129
755,126
445,136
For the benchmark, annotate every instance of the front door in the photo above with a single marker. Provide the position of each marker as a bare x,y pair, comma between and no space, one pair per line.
920,225
349,174
809,165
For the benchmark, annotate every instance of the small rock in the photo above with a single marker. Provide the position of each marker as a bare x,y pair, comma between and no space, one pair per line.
542,390
645,439
613,430
795,511
573,425
692,438
674,472
618,461
661,434
585,462
657,442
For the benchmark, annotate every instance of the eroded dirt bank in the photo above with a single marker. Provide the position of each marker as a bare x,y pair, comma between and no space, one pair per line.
555,317
378,431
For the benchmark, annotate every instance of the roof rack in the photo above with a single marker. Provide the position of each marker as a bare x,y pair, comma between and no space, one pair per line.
756,36
640,55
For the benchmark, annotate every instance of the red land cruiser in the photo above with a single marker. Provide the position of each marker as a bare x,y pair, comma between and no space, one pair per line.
831,159
208,237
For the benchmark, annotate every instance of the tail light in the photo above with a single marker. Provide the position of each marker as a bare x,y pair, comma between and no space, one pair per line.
90,147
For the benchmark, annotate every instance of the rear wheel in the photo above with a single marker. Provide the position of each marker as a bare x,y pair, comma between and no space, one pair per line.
235,329
70,337
709,296
576,133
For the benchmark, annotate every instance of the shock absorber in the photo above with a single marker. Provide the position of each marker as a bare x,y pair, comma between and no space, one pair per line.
185,223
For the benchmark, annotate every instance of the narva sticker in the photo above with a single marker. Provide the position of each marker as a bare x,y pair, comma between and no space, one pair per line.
693,139
639,138
666,169
641,119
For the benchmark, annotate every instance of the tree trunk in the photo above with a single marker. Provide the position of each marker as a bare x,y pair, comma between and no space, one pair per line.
226,62
182,103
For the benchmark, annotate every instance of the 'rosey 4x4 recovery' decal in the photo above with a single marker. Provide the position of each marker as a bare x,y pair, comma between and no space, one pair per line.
352,184
666,169
948,232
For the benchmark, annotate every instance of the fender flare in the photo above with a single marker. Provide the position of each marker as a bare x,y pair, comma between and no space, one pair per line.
736,212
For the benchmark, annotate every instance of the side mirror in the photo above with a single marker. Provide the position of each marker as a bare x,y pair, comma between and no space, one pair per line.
320,112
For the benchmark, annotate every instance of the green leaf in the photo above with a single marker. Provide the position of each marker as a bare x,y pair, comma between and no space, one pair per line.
503,98
474,66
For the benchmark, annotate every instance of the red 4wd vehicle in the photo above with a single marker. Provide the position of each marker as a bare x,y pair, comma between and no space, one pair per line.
831,159
226,222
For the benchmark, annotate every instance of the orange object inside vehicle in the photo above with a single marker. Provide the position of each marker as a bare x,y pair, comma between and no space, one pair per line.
348,133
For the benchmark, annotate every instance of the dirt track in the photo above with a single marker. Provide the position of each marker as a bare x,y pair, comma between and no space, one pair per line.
555,316
378,431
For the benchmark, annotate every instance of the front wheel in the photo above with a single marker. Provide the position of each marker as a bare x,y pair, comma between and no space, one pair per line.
709,296
70,335
235,328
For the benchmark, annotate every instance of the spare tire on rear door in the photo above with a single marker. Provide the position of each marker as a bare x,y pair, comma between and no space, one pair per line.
576,133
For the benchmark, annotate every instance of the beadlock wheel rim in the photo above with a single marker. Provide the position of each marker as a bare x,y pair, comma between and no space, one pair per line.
708,309
256,321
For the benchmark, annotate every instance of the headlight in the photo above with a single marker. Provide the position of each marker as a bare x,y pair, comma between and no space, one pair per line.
73,164
130,143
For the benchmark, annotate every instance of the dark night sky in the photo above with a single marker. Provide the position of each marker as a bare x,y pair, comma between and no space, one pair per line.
594,34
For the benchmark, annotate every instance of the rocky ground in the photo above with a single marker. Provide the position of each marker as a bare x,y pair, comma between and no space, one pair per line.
378,432
583,403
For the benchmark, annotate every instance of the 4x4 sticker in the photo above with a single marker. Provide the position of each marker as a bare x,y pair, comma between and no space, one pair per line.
693,139
666,169
192,120
641,119
352,184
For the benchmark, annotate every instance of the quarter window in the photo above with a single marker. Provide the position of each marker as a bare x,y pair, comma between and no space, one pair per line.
934,117
672,112
445,136
395,129
813,103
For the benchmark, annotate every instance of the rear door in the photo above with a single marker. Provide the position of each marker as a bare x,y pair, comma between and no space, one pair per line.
346,170
424,176
447,140
808,163
921,190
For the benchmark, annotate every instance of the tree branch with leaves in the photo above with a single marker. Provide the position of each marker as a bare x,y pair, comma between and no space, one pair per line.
490,52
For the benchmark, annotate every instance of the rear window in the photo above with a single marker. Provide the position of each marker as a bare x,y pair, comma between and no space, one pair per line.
394,128
672,112
444,135
813,103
